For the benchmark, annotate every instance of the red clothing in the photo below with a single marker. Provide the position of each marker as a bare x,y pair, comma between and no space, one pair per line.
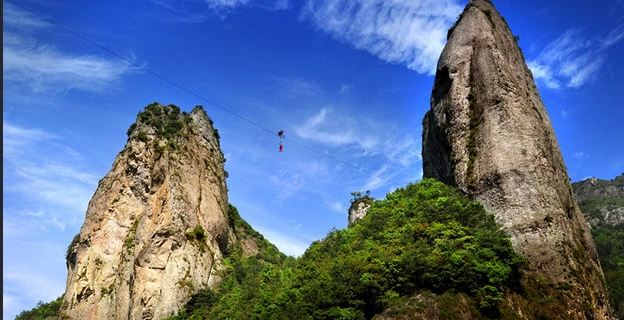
281,148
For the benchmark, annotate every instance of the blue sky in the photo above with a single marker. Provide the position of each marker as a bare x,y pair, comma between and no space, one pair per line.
350,78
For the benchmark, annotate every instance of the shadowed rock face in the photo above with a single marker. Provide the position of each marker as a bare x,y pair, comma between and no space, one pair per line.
488,133
157,224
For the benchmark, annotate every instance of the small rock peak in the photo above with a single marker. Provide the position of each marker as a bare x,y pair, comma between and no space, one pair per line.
159,213
199,109
159,121
360,204
199,114
357,211
477,2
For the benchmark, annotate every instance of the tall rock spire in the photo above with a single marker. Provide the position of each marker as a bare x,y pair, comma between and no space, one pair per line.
488,133
157,225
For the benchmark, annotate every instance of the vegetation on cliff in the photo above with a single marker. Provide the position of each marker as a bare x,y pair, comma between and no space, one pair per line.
610,244
43,311
425,237
166,122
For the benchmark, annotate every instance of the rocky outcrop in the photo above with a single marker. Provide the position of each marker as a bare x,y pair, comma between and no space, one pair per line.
358,210
602,201
157,226
488,133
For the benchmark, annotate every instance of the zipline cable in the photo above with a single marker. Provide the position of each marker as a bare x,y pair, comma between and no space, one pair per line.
197,95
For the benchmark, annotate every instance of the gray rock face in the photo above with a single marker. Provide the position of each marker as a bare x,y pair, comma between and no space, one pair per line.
157,224
488,133
358,210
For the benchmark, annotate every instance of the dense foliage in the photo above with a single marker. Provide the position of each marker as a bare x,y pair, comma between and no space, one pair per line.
42,311
166,120
426,236
423,239
610,244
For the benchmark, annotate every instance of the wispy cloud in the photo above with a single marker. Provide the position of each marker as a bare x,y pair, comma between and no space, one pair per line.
573,59
337,206
44,68
580,155
370,137
293,87
196,11
286,243
287,183
377,179
43,171
408,32
292,180
223,4
34,283
16,17
24,280
335,130
41,67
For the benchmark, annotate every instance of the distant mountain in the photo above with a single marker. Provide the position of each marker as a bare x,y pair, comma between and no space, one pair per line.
602,201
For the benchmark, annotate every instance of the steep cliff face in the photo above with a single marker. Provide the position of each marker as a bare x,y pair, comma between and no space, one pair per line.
488,133
157,226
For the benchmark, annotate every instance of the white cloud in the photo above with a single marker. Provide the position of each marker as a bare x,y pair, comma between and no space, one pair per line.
613,37
565,113
404,151
408,32
16,17
345,88
580,155
42,170
370,137
197,11
292,180
377,179
336,131
573,59
44,68
40,67
297,88
287,183
225,4
337,206
35,271
543,73
271,5
15,136
286,243
36,285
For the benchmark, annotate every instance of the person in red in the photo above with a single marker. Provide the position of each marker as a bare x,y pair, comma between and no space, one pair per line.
280,134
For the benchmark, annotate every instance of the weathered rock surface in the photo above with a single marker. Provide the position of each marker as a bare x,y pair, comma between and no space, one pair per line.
488,133
602,201
157,226
358,210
